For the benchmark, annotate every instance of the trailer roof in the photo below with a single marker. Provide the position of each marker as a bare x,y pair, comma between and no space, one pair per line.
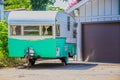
32,17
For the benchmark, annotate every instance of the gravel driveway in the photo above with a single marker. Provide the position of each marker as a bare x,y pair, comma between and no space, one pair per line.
53,70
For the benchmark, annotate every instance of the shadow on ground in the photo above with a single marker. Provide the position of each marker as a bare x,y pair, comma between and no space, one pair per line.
58,66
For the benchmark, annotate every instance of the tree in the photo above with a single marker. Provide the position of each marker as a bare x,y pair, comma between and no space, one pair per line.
28,4
42,4
39,4
14,4
53,8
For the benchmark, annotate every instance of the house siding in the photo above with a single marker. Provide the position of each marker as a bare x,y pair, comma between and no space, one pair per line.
102,8
95,11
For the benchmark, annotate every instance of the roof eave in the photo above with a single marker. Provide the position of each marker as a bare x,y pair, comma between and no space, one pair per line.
76,6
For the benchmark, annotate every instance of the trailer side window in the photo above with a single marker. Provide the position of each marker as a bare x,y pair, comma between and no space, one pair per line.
57,30
75,30
68,23
31,30
15,30
46,30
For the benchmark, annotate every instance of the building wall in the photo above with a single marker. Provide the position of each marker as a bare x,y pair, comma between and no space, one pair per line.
99,10
95,11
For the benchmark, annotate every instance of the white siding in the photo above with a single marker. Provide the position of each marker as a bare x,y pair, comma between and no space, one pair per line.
94,7
93,11
115,7
101,19
108,19
114,18
94,19
101,7
108,7
88,9
82,11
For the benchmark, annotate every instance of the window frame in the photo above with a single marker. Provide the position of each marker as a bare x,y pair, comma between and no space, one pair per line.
23,29
11,30
45,30
68,23
57,25
39,30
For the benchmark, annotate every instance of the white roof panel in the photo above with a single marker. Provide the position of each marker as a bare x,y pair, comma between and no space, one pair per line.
32,17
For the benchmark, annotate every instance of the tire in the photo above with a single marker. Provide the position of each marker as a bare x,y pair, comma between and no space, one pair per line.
32,62
69,55
64,61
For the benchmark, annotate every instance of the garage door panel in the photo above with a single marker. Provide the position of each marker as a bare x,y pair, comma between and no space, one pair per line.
101,42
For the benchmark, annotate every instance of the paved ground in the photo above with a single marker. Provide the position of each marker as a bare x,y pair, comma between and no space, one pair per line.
53,70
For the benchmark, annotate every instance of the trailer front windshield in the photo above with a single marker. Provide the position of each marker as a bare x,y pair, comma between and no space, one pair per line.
42,30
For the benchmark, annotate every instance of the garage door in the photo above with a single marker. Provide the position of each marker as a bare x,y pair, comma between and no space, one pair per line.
101,42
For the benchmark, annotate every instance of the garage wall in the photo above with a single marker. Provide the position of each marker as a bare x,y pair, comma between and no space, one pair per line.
95,11
99,10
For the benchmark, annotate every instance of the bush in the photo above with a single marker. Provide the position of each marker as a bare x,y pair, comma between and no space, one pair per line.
5,61
3,39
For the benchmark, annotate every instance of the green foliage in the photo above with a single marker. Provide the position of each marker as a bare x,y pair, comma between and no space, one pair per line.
40,4
2,64
43,4
14,4
30,4
11,62
53,8
3,39
4,59
3,43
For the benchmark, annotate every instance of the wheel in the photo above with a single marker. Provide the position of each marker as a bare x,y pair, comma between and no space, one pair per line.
31,62
64,61
69,55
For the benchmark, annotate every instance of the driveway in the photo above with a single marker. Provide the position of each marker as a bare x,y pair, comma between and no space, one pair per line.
53,70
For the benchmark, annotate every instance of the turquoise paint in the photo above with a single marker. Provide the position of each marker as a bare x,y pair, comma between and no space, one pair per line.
65,48
45,48
60,43
71,49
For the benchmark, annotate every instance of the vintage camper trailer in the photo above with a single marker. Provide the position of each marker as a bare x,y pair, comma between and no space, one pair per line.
41,34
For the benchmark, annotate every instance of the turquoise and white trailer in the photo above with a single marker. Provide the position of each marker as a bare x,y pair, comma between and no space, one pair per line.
41,34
